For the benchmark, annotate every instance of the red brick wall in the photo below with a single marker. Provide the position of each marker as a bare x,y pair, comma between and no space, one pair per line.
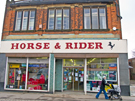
76,22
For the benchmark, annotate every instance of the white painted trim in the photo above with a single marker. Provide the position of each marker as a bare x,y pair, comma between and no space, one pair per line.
118,70
85,73
6,73
54,77
49,73
26,73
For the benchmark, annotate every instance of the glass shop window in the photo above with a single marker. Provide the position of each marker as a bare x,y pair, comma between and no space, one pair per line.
38,72
99,67
16,73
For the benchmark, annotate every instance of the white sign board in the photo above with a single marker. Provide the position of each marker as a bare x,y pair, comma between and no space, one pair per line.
64,46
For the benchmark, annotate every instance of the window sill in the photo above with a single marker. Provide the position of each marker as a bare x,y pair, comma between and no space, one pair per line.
24,31
95,29
47,30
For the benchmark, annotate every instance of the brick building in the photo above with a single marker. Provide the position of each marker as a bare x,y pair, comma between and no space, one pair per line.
59,45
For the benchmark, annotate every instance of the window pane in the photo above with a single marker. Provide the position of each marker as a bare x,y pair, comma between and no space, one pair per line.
25,19
68,62
78,62
51,19
58,19
31,24
87,22
19,14
94,18
31,20
32,14
18,20
38,69
18,23
66,19
102,18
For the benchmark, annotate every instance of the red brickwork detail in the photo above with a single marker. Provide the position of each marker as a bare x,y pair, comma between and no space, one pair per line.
76,22
72,18
76,17
45,19
80,19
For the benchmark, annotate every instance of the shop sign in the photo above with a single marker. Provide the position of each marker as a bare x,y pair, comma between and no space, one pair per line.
34,65
112,66
14,65
64,46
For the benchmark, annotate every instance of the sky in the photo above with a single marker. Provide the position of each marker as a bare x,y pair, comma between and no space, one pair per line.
127,8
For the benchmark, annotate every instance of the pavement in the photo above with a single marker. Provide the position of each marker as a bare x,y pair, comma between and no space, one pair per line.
58,96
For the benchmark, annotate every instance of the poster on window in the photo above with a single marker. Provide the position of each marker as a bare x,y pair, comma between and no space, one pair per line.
106,74
112,75
98,75
91,75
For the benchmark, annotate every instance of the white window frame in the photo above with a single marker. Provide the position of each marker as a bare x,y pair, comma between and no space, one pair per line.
31,18
17,20
65,17
23,20
51,16
55,19
98,17
87,15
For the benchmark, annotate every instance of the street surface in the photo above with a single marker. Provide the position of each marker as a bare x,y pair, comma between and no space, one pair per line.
59,96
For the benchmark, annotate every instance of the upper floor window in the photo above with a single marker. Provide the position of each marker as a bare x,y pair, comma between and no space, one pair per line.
58,19
25,20
95,18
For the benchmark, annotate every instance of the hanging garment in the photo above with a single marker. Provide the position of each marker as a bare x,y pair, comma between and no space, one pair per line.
42,79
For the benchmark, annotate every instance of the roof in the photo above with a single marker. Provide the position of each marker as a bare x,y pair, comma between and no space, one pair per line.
40,2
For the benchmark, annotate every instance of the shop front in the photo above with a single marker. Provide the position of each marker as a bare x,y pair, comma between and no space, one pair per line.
64,65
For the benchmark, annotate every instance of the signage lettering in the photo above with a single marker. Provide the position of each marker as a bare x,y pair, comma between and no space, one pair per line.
67,45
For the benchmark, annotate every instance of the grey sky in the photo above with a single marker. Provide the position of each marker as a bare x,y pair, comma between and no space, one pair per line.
127,8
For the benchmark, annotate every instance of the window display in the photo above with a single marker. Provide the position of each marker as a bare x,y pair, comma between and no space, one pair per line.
36,74
16,73
97,68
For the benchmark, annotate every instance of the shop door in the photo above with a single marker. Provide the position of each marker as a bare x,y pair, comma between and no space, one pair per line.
73,79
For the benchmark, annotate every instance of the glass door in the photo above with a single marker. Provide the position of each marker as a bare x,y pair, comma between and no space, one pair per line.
73,79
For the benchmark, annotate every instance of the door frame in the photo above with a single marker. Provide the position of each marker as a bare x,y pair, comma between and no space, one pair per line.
73,76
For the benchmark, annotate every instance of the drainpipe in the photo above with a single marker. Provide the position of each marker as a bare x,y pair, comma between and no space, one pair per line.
117,10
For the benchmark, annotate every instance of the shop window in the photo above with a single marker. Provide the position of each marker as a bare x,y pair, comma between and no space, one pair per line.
98,68
58,19
16,73
31,77
73,62
38,69
25,20
95,18
78,62
68,62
